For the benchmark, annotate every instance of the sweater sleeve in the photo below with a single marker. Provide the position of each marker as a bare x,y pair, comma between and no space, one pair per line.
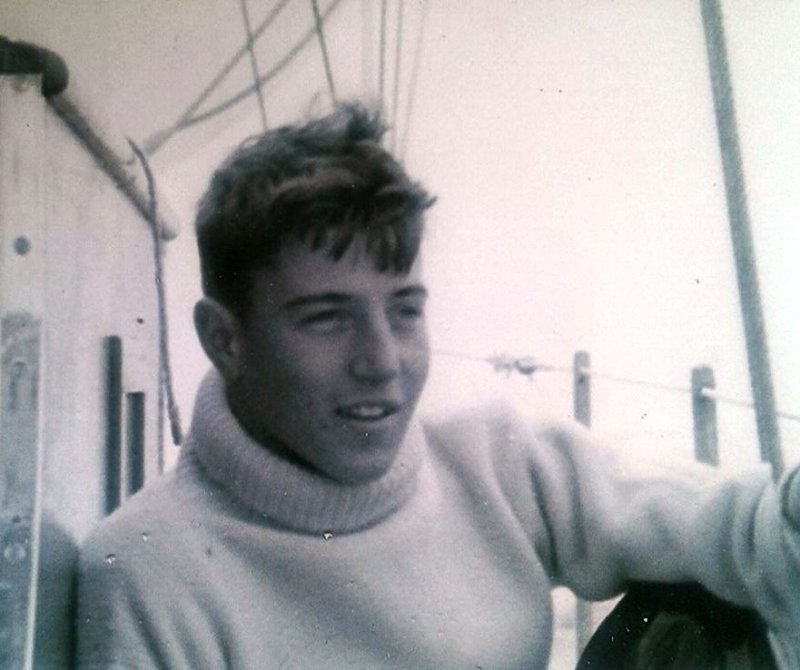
116,622
611,520
139,603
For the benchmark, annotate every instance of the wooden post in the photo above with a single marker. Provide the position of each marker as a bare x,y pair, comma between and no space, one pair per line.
583,414
113,355
135,426
739,217
582,389
704,413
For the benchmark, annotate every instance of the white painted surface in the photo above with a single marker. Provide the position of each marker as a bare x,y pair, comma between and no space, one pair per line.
88,274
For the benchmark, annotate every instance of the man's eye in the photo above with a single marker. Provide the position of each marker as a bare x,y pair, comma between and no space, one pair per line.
409,314
325,322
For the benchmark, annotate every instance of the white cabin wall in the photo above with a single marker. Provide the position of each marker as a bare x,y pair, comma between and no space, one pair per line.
100,281
88,274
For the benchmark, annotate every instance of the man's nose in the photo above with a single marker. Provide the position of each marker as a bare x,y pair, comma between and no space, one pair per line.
376,355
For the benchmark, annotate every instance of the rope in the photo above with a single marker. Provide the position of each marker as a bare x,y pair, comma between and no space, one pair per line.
276,69
397,62
254,63
711,394
161,137
412,87
382,53
165,369
527,366
325,59
589,372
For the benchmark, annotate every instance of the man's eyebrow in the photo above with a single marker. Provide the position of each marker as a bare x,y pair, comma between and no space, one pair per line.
336,298
329,297
415,290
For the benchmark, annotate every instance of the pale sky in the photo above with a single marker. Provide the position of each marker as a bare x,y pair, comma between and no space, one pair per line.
581,202
573,148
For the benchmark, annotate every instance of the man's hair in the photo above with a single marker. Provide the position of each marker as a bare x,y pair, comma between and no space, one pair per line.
322,184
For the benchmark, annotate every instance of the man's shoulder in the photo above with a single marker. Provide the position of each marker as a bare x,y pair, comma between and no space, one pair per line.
497,423
150,524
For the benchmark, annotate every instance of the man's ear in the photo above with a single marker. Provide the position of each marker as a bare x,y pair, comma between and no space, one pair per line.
219,331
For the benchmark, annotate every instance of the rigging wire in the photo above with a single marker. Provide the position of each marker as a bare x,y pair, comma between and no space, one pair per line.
589,372
160,138
324,49
397,62
711,394
165,368
382,54
264,78
412,87
254,63
528,365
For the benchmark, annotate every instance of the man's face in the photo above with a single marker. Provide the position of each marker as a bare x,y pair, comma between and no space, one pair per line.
334,355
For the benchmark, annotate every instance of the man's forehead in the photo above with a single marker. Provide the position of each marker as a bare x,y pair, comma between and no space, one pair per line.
298,269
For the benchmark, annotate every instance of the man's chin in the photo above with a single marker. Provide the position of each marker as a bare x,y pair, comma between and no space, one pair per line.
363,468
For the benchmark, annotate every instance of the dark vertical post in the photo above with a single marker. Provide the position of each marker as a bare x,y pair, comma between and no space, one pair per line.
135,423
754,329
113,356
583,414
704,413
582,388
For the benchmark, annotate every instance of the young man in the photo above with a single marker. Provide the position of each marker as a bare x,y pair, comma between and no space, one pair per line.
313,522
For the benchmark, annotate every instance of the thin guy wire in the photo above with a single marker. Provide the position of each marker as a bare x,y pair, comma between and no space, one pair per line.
276,69
635,382
412,87
521,363
382,53
160,138
326,61
711,394
528,365
398,51
366,43
254,63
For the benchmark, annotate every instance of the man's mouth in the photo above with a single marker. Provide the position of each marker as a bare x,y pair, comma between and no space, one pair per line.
368,411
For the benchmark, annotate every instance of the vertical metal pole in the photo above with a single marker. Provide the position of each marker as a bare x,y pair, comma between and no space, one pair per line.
135,430
704,413
754,329
113,355
583,414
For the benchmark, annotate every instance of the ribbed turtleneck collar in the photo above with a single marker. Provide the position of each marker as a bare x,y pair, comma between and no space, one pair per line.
287,494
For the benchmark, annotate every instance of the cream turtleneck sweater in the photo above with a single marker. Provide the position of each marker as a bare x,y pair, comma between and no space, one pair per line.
287,494
238,559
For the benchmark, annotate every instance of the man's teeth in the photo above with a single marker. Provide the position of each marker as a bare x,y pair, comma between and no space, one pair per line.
366,411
